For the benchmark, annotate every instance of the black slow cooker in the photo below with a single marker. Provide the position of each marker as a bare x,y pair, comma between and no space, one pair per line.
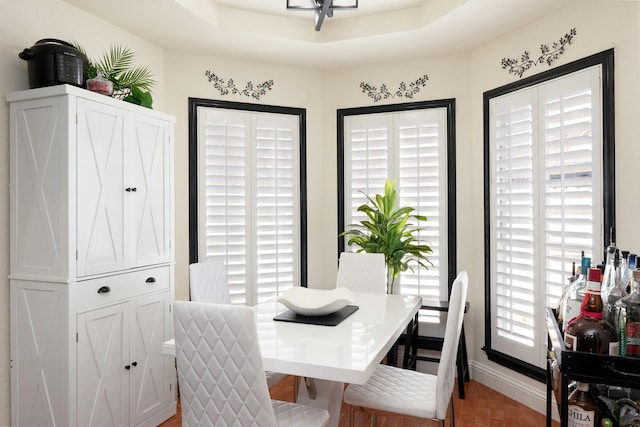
52,62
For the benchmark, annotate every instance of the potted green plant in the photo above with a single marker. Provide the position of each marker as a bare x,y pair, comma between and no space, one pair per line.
131,84
387,230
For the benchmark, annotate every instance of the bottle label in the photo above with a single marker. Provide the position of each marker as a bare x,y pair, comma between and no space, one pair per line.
627,410
594,287
632,332
571,341
571,311
578,417
614,348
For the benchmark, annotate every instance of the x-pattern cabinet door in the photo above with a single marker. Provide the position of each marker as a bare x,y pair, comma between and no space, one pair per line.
148,187
101,237
103,367
123,197
149,386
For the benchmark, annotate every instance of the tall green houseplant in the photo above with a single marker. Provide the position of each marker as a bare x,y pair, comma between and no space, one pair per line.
387,230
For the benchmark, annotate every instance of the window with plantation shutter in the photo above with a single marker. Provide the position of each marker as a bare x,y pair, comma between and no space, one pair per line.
249,197
546,203
412,144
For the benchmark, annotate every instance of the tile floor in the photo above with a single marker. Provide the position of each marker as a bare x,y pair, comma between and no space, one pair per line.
482,407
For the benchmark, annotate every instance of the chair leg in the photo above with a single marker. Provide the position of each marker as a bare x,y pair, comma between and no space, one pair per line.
352,416
410,345
462,364
452,421
465,358
296,382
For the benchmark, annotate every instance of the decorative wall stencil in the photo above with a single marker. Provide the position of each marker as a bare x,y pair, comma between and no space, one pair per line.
229,86
404,90
547,55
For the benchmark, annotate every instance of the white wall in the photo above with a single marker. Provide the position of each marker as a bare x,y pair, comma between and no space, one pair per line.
22,23
293,87
601,24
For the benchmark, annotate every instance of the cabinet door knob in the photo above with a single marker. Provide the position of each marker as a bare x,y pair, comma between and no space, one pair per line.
150,280
104,290
134,364
131,189
127,367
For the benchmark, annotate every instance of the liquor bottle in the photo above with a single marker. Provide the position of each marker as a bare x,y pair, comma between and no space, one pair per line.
620,408
626,277
562,299
612,287
583,408
609,259
574,294
633,258
589,332
630,420
629,320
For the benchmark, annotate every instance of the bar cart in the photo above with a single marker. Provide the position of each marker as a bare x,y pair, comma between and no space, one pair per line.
581,366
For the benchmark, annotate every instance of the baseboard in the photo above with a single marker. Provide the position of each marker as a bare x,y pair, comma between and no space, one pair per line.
160,416
533,397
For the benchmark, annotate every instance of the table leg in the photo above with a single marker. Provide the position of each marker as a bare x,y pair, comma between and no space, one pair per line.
328,395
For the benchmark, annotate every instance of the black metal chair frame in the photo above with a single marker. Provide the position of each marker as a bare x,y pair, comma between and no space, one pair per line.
414,342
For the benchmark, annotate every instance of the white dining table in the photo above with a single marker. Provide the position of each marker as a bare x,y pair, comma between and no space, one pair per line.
331,355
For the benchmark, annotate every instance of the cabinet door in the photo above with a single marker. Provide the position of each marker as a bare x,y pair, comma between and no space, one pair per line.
39,188
150,391
149,190
102,375
39,354
101,133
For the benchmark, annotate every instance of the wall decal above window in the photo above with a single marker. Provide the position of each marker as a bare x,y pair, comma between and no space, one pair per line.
404,90
229,86
547,54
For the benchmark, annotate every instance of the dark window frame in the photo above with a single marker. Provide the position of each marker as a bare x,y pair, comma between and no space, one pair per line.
606,60
194,103
450,106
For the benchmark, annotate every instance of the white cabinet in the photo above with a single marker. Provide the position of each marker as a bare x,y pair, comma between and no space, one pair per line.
123,188
92,262
121,369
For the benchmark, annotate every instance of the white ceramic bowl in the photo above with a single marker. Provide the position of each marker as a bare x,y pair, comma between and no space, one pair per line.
316,302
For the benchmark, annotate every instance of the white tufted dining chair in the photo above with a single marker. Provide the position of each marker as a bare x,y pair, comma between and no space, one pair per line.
208,283
362,272
394,391
220,371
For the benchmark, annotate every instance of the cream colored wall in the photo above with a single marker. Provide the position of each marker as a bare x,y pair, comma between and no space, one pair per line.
601,24
293,87
22,23
448,78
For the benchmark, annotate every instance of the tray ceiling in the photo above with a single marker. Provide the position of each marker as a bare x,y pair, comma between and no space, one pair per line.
264,30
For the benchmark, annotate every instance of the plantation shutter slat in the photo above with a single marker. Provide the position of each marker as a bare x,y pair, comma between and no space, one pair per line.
409,146
421,138
571,207
249,206
542,202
